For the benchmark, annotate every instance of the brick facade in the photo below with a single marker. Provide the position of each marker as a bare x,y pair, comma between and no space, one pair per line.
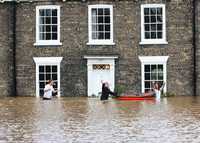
74,38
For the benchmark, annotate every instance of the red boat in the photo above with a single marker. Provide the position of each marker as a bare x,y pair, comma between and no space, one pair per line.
136,97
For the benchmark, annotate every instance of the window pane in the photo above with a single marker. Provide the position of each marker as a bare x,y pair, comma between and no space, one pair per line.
94,35
160,68
147,68
94,12
160,76
48,76
41,76
101,27
147,85
159,11
48,68
153,19
54,76
146,19
153,27
42,36
147,35
153,11
153,35
100,11
41,92
48,20
159,35
54,68
41,68
107,27
42,85
54,36
159,18
147,76
48,36
106,11
55,85
48,28
42,12
48,12
54,20
147,27
153,76
54,28
54,12
100,35
107,35
42,20
153,68
100,19
107,19
159,27
146,11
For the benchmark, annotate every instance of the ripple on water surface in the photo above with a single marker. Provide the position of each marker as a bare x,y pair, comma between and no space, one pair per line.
87,120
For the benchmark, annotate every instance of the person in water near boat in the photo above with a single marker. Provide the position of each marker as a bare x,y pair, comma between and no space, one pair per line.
157,88
106,91
49,90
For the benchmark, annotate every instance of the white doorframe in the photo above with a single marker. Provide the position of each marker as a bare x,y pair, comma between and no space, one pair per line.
91,60
47,61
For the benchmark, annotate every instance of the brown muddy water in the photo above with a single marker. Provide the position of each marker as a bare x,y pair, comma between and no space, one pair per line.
87,120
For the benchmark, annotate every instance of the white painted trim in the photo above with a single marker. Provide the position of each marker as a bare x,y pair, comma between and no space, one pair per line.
154,60
47,61
153,41
100,57
100,42
47,42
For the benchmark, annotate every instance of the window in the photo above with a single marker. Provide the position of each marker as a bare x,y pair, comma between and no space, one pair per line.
47,72
100,24
153,24
152,73
48,25
47,68
153,70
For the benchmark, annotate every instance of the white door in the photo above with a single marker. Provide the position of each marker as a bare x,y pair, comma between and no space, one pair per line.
96,75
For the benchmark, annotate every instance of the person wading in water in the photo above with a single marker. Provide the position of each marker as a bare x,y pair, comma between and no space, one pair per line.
106,91
48,90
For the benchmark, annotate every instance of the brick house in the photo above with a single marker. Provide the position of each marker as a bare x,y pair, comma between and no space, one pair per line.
78,43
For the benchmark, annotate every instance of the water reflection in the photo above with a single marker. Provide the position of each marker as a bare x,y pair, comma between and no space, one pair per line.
88,120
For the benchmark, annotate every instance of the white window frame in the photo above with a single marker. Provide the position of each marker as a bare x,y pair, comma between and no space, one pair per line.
148,60
99,42
153,41
42,61
47,42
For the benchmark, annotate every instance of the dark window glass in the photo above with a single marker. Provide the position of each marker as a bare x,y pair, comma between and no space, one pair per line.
159,11
147,68
153,11
107,19
42,85
146,11
100,35
54,20
153,35
54,68
147,35
153,27
147,76
100,11
48,36
48,76
54,29
153,19
159,35
41,76
54,36
54,12
48,68
160,68
48,20
159,27
107,27
42,12
100,19
146,19
101,28
106,11
48,28
147,85
147,27
41,68
153,68
48,12
107,35
54,76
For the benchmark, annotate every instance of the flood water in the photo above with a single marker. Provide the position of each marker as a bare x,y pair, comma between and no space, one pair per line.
87,120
